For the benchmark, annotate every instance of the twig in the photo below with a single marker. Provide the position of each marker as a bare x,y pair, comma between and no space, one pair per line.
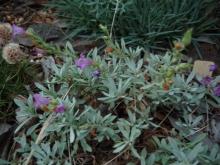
64,96
116,157
165,118
69,152
40,136
113,20
207,116
197,131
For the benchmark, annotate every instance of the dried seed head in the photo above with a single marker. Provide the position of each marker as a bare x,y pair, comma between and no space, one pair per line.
12,53
179,46
5,34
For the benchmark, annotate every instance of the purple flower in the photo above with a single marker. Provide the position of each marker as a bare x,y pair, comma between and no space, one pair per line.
217,90
16,30
40,101
206,80
83,62
96,73
213,67
60,108
38,52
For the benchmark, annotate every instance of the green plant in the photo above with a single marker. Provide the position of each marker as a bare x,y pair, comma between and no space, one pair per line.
140,22
175,152
114,106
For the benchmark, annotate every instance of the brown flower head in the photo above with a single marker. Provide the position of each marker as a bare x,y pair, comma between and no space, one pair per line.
108,50
179,46
5,34
12,53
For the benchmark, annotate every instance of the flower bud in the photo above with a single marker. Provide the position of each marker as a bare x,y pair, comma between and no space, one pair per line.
166,86
186,40
109,50
170,73
182,67
179,46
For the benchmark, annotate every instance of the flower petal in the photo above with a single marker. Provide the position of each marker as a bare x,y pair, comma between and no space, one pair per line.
83,62
206,80
60,108
217,90
213,67
40,101
17,30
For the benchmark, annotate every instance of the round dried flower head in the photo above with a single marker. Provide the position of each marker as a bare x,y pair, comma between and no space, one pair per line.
5,33
12,53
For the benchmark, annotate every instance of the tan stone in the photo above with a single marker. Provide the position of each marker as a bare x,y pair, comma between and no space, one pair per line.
202,67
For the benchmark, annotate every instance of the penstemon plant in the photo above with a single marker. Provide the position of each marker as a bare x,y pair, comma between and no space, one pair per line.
91,99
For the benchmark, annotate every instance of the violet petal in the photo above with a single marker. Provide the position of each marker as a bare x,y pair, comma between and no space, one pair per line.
17,30
213,67
83,62
206,80
96,73
217,90
60,108
38,52
40,101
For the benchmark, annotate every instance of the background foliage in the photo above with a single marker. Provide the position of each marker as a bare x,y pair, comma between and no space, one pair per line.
138,21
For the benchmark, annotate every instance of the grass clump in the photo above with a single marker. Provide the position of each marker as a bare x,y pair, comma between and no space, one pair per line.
12,83
140,22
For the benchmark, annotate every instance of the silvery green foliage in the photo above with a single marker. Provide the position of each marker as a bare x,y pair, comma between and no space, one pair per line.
175,152
182,93
122,82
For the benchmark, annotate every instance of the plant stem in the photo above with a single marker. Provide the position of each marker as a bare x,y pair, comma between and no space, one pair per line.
113,21
116,157
40,136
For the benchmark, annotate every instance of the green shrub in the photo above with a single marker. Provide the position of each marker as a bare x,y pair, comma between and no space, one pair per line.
79,109
138,21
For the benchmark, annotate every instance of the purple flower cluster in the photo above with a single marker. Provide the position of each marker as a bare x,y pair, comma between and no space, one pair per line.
213,67
60,108
96,74
17,30
38,52
83,62
216,90
40,102
206,80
